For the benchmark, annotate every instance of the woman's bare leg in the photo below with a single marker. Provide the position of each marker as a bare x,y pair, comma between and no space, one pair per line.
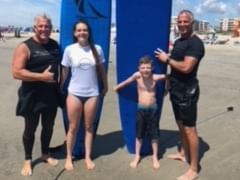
74,110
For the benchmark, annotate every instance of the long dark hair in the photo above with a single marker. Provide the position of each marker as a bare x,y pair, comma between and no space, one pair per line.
90,41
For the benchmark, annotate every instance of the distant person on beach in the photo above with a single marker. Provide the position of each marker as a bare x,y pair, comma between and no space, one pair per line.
2,38
86,62
36,62
184,60
147,119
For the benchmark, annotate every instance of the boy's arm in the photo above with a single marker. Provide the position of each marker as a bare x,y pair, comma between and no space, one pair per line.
165,77
159,77
126,82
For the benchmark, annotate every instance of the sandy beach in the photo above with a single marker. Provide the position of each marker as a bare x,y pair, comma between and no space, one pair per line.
218,126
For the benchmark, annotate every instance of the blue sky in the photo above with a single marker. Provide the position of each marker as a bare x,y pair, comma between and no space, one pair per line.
22,12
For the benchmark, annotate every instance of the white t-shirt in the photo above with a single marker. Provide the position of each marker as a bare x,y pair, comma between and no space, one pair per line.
84,81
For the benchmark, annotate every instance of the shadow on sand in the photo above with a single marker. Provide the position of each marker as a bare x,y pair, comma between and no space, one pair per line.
169,139
109,143
103,145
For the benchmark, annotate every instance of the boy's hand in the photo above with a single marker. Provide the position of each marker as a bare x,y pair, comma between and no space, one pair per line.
161,55
115,88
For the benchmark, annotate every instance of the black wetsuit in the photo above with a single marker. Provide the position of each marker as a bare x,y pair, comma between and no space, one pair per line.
39,99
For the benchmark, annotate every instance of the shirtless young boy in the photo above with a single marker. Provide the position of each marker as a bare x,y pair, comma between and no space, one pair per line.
147,108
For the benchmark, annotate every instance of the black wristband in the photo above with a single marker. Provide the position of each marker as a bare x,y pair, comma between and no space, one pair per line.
168,61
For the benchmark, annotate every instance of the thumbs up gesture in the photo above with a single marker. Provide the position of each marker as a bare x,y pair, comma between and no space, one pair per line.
48,76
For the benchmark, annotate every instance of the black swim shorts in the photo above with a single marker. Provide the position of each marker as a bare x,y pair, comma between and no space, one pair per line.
184,97
147,122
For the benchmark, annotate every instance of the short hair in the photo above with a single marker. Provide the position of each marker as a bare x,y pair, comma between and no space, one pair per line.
188,12
145,60
42,16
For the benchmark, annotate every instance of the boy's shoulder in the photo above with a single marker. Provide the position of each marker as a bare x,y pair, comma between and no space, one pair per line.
137,74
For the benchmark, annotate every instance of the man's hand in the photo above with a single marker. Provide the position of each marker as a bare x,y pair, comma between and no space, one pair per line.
161,55
48,76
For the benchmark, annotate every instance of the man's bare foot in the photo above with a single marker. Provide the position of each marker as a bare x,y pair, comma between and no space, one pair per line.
135,162
177,156
156,163
27,168
51,161
90,164
68,164
189,175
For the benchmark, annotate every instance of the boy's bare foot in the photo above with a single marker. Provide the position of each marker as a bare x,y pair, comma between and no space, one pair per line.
68,164
90,164
51,161
189,175
177,156
135,162
156,163
27,168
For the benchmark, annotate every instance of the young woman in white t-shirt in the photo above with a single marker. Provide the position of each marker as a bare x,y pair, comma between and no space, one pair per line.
85,59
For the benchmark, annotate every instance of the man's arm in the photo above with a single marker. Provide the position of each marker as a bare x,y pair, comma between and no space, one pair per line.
186,66
20,72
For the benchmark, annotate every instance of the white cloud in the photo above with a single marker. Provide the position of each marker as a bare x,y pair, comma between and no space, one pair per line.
180,2
198,9
233,10
52,1
238,7
214,6
178,5
22,12
211,6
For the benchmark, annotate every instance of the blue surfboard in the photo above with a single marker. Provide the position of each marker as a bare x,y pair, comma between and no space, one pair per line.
142,26
98,14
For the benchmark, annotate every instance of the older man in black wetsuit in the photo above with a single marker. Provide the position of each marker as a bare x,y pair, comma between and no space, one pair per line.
185,57
36,63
